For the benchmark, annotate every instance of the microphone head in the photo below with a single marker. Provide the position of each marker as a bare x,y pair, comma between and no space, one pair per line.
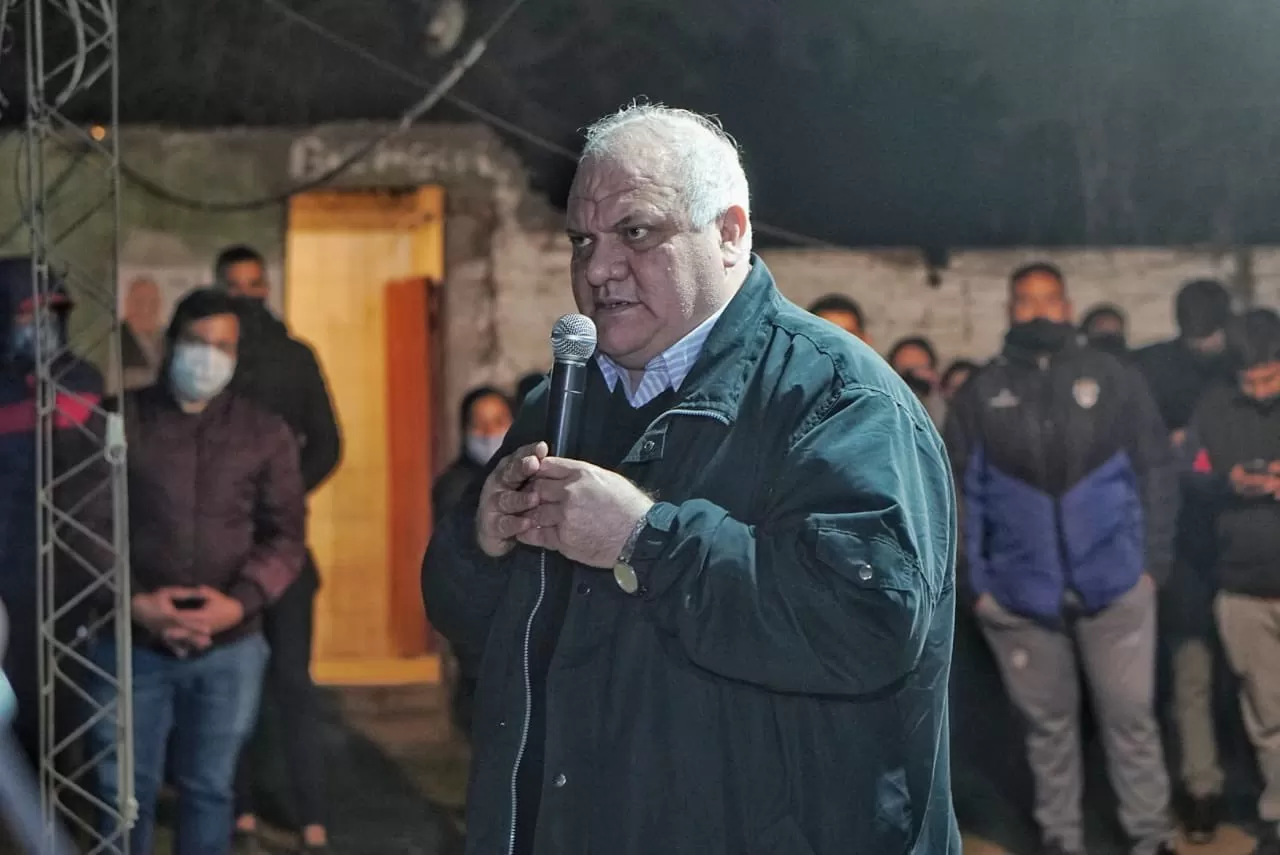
573,339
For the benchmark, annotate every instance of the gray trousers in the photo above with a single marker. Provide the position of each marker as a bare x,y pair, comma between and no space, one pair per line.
1116,649
1201,770
1250,629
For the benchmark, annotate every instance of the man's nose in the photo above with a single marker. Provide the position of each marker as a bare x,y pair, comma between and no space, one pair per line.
605,265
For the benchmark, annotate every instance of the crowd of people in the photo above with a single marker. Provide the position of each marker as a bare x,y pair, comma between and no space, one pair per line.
779,634
1095,481
230,426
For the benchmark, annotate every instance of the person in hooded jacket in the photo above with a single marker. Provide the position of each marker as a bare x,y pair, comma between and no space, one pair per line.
21,327
1105,328
486,417
1180,372
1068,491
282,374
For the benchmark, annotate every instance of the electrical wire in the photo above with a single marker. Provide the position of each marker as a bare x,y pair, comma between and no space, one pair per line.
436,92
492,119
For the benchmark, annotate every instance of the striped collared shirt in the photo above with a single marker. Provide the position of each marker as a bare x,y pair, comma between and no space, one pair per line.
665,371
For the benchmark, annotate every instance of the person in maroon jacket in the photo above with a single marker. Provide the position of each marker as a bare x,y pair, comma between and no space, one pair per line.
216,529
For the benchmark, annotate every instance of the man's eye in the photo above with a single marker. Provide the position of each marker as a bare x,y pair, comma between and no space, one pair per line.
635,233
579,241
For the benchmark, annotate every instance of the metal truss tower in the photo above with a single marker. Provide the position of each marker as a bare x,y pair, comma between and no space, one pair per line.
74,243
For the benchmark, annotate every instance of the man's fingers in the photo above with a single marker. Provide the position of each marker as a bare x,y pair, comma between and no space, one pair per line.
550,490
521,465
517,501
510,526
559,468
546,516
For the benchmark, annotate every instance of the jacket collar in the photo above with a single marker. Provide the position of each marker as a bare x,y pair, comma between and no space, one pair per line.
735,345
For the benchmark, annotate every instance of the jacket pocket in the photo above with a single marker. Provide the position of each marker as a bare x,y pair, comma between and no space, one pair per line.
784,837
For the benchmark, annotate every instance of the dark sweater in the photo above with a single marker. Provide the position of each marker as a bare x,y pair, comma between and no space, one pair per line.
1229,429
610,426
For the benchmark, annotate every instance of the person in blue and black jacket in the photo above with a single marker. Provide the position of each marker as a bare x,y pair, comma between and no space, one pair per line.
1069,490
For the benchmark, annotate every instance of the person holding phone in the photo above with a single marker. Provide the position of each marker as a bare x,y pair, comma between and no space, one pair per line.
1234,440
216,532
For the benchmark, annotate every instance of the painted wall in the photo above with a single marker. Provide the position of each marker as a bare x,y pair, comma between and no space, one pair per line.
507,262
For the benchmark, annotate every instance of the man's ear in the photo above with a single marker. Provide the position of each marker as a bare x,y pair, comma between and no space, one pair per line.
735,236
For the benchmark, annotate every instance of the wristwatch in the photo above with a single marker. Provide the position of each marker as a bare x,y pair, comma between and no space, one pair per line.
623,573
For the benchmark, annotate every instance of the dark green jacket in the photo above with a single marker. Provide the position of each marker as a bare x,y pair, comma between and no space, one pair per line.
780,687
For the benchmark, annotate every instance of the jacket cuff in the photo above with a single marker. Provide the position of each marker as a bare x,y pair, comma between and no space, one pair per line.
250,595
651,544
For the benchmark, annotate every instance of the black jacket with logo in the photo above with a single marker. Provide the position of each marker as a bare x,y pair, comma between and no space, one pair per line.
1229,429
779,686
1067,481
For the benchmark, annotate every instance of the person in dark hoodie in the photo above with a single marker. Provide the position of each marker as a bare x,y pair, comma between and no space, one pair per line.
82,387
1105,328
1068,490
282,374
1234,447
486,417
1179,372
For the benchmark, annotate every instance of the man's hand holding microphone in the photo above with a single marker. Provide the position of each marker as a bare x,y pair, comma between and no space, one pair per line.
577,509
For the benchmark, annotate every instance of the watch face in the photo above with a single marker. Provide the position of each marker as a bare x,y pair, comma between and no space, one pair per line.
625,576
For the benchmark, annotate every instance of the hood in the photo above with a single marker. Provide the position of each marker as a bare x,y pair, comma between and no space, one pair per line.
15,293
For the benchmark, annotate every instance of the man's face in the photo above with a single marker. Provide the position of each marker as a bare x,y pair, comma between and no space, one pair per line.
1105,325
640,271
916,362
847,321
142,306
1039,296
246,279
1261,382
218,331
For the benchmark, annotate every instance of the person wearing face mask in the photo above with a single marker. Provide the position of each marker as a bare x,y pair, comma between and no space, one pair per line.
1233,445
1104,328
1179,372
283,375
1068,492
23,330
486,416
216,532
916,362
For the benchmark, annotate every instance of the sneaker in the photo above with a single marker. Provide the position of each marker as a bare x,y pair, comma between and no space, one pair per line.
1202,819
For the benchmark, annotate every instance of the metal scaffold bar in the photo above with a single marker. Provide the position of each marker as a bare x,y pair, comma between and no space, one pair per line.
81,502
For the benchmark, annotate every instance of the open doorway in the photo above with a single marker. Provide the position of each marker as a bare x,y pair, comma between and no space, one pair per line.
359,268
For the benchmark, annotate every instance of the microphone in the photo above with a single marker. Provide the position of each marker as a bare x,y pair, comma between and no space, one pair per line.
573,341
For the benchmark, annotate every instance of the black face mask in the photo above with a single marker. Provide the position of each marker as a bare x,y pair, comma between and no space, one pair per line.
1041,335
1112,343
922,387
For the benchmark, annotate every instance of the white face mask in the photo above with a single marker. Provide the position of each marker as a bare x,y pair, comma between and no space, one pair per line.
199,372
481,448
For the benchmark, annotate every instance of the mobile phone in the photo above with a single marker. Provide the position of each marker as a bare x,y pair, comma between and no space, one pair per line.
187,604
1256,467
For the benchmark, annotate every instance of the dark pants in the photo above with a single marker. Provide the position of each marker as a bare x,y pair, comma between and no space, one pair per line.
287,628
208,703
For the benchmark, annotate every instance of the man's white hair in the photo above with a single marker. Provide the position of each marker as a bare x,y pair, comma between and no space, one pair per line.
701,158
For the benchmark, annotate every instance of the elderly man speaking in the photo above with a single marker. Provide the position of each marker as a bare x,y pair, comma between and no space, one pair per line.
727,627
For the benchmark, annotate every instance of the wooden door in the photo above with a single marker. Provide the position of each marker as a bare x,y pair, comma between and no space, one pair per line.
410,428
342,250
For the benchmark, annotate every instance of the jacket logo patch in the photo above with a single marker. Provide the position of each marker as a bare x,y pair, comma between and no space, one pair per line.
1004,400
1085,391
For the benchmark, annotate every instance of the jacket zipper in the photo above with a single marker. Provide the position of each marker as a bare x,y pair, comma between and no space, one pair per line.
1052,423
528,633
528,698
